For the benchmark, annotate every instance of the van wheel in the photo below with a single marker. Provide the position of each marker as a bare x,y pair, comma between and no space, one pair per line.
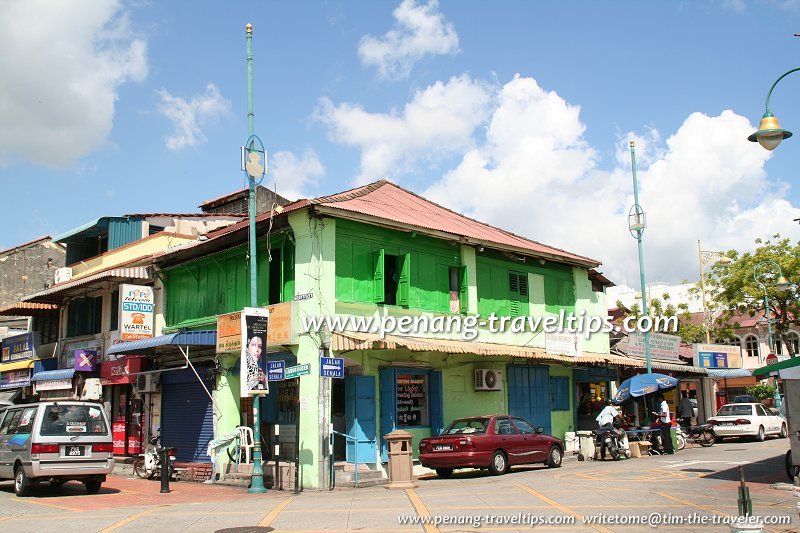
22,483
498,466
93,486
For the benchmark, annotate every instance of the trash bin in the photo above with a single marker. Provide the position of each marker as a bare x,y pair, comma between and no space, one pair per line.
570,442
586,448
401,457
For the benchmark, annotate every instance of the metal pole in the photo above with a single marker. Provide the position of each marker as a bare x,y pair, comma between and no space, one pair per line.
706,317
639,233
257,480
297,443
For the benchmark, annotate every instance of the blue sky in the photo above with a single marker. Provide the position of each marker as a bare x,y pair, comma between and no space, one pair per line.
517,113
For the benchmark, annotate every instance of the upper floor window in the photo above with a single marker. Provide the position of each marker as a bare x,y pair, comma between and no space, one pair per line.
518,293
751,345
84,316
791,346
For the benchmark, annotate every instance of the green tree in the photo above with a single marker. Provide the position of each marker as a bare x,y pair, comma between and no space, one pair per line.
733,287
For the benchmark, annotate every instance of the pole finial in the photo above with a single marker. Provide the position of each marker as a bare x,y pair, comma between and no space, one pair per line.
632,143
249,28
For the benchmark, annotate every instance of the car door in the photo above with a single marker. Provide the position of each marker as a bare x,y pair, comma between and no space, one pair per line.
532,445
770,421
7,431
507,438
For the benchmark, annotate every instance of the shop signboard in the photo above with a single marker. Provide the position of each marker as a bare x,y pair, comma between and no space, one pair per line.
14,379
19,347
122,371
282,328
662,346
717,356
253,370
563,344
229,332
85,360
66,358
136,305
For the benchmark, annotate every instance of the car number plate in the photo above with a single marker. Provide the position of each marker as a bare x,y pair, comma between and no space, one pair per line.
442,448
729,423
74,451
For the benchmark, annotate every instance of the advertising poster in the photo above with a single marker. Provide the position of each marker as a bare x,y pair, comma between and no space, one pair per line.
136,304
254,343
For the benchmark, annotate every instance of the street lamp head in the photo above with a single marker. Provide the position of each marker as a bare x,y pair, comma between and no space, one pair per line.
782,284
248,28
636,219
725,260
769,134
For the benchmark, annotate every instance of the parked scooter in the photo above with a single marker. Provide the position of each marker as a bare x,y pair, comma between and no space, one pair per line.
702,434
615,440
148,465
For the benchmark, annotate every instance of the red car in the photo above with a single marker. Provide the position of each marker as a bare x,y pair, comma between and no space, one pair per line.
494,442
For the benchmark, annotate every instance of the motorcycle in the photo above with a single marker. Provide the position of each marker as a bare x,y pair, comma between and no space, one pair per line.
703,435
148,465
615,440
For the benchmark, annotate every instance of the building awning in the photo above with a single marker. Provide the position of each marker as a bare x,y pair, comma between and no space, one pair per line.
728,373
181,338
775,367
52,375
26,308
672,367
56,293
16,365
344,341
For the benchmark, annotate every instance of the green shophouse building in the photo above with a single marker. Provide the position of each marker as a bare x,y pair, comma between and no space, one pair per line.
381,252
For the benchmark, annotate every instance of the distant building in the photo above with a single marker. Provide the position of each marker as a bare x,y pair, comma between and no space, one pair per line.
29,268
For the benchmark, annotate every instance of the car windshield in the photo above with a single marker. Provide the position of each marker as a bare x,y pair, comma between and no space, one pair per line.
61,420
735,410
467,425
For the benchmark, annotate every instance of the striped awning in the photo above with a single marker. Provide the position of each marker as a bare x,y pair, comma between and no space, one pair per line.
26,308
182,338
52,375
344,341
55,294
728,373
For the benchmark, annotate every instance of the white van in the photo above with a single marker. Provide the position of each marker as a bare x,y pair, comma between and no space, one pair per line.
56,442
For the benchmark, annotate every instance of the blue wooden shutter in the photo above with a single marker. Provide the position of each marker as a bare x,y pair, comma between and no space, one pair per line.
435,398
360,418
388,394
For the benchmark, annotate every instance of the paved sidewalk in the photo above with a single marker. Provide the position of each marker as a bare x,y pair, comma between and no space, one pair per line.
696,482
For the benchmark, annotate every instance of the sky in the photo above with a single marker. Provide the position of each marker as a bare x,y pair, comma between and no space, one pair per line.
516,113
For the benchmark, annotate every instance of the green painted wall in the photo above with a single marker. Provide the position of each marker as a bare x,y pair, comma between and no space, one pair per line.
594,303
563,421
226,397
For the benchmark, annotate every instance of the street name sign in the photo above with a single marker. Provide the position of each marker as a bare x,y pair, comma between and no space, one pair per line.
297,371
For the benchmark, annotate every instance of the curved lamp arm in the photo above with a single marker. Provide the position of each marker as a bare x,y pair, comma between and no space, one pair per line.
770,134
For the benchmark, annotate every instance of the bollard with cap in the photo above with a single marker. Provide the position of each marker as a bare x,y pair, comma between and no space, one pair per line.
165,469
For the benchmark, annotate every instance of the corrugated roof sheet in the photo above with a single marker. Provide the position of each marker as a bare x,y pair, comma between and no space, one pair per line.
139,272
348,340
181,338
25,245
25,308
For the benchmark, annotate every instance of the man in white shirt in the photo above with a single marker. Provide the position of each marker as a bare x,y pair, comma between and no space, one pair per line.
605,421
666,426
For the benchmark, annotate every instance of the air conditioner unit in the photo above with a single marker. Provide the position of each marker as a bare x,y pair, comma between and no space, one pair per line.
92,389
488,379
147,383
62,274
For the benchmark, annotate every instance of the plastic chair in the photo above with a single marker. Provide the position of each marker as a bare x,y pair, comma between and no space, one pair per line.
246,443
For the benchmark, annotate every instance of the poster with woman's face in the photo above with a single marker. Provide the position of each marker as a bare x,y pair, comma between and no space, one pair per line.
254,357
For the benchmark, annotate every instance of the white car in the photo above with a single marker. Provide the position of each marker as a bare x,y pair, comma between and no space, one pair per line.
747,420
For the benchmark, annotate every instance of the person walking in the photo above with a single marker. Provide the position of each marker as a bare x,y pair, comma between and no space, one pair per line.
666,426
685,410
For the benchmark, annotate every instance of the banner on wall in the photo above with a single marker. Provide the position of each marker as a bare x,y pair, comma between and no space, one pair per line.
254,322
19,347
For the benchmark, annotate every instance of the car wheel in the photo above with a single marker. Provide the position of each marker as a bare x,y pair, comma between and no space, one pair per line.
92,486
760,436
444,472
22,483
791,470
498,466
554,458
783,433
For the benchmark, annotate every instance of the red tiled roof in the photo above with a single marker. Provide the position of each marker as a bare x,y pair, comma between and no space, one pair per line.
25,245
387,201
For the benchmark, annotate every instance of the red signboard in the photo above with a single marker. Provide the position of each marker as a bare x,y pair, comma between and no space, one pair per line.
771,358
122,371
118,429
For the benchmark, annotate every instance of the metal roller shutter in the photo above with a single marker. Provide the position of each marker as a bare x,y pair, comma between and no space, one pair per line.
187,416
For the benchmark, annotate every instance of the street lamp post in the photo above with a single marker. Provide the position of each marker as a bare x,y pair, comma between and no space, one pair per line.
707,258
770,134
254,165
636,225
759,271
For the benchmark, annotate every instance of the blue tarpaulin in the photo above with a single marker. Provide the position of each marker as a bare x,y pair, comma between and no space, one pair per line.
181,338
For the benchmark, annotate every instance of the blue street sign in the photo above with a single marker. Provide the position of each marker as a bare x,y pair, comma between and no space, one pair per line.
275,370
332,367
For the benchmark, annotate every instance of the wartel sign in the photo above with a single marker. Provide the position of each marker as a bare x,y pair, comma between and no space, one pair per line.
136,305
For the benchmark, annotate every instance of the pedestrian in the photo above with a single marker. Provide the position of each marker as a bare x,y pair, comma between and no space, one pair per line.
685,410
665,423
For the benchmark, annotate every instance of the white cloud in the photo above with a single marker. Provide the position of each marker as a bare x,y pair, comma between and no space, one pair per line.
440,120
295,175
532,172
419,30
62,66
187,117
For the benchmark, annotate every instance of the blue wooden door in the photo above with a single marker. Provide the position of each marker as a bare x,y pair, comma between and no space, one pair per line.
359,414
529,394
